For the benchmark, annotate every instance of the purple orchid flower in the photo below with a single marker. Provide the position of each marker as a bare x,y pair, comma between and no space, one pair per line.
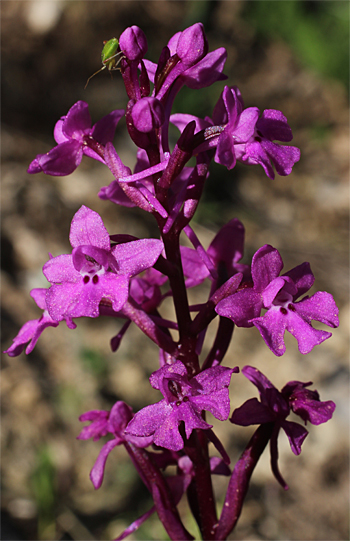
31,331
76,137
279,294
186,61
244,136
114,422
249,139
184,400
95,271
274,407
225,251
103,423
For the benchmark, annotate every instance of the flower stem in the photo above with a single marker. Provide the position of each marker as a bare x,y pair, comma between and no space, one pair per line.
239,482
200,492
161,494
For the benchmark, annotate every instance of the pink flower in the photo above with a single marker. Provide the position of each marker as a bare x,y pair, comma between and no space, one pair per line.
184,400
76,137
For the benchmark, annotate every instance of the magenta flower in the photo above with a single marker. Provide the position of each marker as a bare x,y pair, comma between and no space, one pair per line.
76,137
31,331
184,400
225,251
251,140
278,295
239,125
95,271
239,134
191,63
274,407
103,423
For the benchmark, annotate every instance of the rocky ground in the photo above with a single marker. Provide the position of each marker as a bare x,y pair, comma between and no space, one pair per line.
49,50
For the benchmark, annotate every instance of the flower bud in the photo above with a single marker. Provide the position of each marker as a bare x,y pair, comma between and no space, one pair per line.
192,45
147,114
133,43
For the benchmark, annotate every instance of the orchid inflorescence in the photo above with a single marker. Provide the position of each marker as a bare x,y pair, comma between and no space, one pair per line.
121,276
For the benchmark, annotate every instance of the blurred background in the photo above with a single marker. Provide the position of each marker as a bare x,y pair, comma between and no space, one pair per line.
290,55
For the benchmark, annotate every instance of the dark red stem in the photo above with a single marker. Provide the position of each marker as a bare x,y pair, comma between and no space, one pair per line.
239,482
200,492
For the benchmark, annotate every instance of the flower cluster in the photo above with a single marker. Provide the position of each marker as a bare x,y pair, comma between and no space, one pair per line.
121,276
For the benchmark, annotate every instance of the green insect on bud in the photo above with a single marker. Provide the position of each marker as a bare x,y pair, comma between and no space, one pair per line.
109,56
109,53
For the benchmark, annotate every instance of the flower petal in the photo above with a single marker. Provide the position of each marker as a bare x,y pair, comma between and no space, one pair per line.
207,71
306,335
228,245
302,277
24,335
266,266
217,402
62,160
257,378
271,291
283,157
103,131
87,228
146,421
97,472
58,133
191,415
39,295
180,120
167,434
225,151
241,307
77,120
274,126
214,378
272,327
252,412
61,269
245,127
320,307
136,256
296,435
